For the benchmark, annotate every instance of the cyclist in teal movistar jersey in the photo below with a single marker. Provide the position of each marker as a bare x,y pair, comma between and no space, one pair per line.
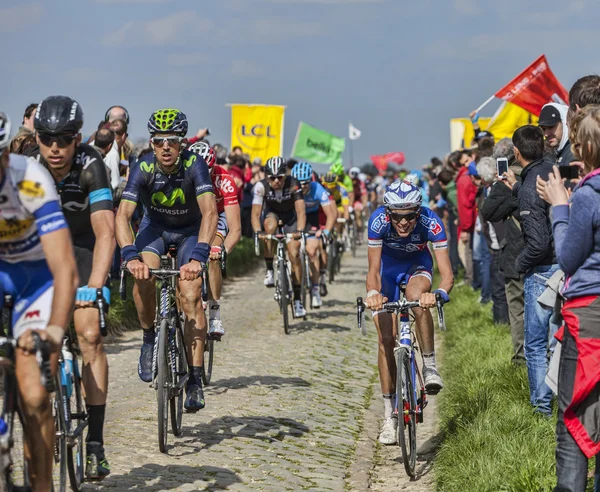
175,188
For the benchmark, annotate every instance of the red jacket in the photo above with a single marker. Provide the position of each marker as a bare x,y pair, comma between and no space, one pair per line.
465,195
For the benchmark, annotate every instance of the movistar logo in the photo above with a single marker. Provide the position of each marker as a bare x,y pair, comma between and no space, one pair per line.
149,168
159,198
188,162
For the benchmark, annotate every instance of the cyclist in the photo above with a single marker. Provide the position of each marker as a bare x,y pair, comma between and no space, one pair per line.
179,208
37,268
340,196
343,180
360,198
315,198
83,186
229,231
399,234
281,197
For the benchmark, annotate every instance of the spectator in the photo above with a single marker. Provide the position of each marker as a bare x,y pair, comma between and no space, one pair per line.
116,113
537,261
466,192
111,159
446,182
482,259
25,136
502,205
236,150
553,122
119,127
578,427
105,138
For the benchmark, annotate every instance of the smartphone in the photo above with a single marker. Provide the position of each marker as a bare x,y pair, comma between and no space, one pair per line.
501,166
569,172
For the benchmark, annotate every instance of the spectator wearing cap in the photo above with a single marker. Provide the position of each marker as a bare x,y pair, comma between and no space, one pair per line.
26,132
466,192
553,122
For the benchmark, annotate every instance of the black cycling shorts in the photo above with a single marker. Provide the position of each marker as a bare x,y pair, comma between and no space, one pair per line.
288,218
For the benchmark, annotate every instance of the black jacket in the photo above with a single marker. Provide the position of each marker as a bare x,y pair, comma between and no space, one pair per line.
502,206
534,214
564,157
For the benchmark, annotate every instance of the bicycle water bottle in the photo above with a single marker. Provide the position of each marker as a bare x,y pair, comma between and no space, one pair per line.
68,368
405,330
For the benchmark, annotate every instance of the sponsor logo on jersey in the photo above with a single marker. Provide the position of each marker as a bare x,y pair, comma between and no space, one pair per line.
169,211
85,160
13,227
129,194
32,314
159,198
74,206
31,189
19,306
190,160
223,184
379,222
52,225
433,225
147,168
415,237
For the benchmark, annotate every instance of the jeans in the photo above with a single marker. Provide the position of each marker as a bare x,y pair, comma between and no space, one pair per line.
453,243
539,337
482,267
514,296
571,463
500,307
465,252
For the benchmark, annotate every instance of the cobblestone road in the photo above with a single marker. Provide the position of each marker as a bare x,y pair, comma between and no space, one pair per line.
284,412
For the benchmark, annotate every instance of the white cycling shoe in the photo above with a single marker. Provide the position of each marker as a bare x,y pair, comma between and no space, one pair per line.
215,327
269,279
433,380
387,435
299,311
316,298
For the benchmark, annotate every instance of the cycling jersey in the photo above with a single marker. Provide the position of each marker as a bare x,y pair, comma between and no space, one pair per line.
85,190
283,200
340,196
359,189
29,208
169,199
346,183
226,192
316,197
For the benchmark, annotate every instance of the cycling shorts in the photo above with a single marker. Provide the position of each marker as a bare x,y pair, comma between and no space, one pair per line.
153,238
312,222
358,205
288,218
222,227
31,286
395,272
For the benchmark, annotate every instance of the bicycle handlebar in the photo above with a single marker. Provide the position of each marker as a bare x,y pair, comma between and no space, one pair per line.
341,220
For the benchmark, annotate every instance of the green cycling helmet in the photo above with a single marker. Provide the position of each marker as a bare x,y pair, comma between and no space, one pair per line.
337,169
168,121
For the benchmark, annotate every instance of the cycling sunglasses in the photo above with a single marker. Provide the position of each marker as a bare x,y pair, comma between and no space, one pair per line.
172,141
409,217
277,178
305,183
61,140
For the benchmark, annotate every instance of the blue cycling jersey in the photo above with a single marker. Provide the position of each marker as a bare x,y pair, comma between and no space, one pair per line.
316,197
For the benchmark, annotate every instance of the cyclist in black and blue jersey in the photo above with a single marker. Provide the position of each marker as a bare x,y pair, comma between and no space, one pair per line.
176,191
37,268
81,179
399,235
315,198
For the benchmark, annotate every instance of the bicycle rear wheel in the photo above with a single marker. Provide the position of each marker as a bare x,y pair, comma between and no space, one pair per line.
285,295
179,372
353,239
76,416
407,411
163,386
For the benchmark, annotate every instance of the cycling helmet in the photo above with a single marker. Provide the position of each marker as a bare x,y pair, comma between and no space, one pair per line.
402,194
207,153
275,166
58,115
330,180
354,172
412,178
302,171
337,169
4,130
168,121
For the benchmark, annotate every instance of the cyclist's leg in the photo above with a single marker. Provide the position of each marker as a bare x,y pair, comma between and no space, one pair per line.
270,227
215,280
358,208
312,247
293,249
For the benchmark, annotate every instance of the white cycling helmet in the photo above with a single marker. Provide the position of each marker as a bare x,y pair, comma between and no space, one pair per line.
354,172
402,194
4,130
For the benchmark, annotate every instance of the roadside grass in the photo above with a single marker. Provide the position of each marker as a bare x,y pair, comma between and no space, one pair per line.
122,315
492,440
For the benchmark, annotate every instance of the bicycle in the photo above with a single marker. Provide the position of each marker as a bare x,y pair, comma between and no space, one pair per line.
352,234
409,382
14,472
169,361
305,281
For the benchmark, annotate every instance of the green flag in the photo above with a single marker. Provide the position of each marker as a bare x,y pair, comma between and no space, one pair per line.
317,146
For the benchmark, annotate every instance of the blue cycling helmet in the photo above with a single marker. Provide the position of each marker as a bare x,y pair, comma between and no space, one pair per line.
302,171
402,194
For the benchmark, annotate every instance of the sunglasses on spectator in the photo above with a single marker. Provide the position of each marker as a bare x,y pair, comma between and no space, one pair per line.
276,178
171,141
61,140
408,217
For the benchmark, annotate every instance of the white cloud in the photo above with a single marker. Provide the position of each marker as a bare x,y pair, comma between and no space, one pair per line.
187,59
118,37
467,7
15,18
245,68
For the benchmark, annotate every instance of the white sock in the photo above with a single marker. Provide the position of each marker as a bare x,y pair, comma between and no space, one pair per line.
429,361
388,405
214,310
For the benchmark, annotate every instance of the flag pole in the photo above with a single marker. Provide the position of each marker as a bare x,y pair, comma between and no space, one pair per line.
350,148
489,100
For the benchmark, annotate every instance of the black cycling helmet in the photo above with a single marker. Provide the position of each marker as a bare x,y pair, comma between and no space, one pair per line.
275,166
58,115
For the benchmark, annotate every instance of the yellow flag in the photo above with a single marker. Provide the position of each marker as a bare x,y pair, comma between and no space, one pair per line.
508,118
257,129
462,133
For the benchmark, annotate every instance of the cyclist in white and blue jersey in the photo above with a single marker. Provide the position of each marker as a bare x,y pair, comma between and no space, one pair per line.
38,270
316,198
399,235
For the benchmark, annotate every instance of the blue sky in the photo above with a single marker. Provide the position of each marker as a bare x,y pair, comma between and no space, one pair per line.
398,69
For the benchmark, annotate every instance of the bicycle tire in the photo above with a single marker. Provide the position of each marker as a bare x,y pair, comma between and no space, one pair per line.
75,452
179,372
338,258
331,257
285,294
308,282
209,352
407,413
14,467
304,280
163,386
60,445
354,240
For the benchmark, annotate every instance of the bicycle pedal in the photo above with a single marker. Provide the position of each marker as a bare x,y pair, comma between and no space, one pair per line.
214,336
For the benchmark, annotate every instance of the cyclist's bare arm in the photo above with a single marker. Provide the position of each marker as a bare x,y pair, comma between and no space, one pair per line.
122,223
103,225
351,197
234,223
300,214
58,250
442,258
346,212
208,226
330,212
374,301
255,217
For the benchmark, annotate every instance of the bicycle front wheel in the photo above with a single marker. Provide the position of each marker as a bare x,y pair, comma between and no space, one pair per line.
331,259
163,386
59,471
209,351
76,415
407,411
285,295
179,373
305,281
